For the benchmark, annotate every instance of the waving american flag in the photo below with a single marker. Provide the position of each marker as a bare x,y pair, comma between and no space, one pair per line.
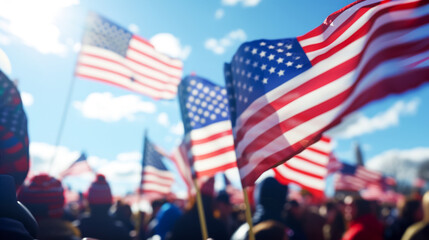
285,93
208,133
112,54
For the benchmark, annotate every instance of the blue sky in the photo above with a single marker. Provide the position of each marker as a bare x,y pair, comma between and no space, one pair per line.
39,44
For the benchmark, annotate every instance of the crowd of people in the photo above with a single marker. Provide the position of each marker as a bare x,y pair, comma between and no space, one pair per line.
37,210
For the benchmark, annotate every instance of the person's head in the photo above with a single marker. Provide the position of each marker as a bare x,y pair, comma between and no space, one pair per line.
270,229
411,210
99,196
271,193
223,204
357,208
43,196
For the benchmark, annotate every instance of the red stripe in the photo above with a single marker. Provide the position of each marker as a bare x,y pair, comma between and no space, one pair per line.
388,27
284,180
212,137
304,172
213,171
320,29
152,68
158,183
14,149
127,67
155,58
214,153
300,157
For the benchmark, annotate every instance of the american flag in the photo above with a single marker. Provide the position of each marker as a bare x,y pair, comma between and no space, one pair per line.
180,159
356,178
307,169
285,93
207,125
78,167
14,143
114,55
156,178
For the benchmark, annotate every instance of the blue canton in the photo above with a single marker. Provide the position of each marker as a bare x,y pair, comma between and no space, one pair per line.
152,157
259,67
202,103
102,33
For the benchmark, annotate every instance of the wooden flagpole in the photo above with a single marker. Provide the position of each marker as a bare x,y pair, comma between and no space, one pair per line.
139,216
63,122
201,211
248,215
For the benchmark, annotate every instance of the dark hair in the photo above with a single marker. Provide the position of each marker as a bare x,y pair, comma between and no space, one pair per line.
269,229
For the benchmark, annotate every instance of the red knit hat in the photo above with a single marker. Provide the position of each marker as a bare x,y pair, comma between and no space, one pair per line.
99,191
43,196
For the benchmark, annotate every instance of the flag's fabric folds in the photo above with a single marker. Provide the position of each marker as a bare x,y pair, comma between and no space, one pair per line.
208,134
14,143
80,166
307,169
180,159
156,179
356,178
285,93
112,54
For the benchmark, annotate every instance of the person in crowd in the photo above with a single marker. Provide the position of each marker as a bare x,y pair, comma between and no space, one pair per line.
16,222
165,220
335,226
98,223
122,213
188,225
43,195
364,224
420,230
410,212
270,229
293,219
224,210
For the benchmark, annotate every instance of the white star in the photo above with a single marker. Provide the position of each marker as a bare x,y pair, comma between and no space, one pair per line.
241,59
255,64
265,81
280,50
243,72
288,54
271,47
262,54
264,66
262,44
256,78
245,100
289,46
246,49
254,51
281,73
289,63
297,58
272,70
247,61
299,66
279,44
249,75
250,89
271,57
280,60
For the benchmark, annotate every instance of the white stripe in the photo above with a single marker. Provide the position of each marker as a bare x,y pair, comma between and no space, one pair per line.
215,162
213,145
210,130
152,63
161,173
356,25
382,20
152,52
148,71
325,147
307,167
302,178
314,157
156,188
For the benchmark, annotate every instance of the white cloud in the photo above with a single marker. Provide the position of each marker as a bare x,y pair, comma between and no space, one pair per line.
129,156
133,28
402,164
177,129
34,24
163,119
245,3
27,99
218,46
41,155
358,124
5,65
219,13
77,46
106,107
168,44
